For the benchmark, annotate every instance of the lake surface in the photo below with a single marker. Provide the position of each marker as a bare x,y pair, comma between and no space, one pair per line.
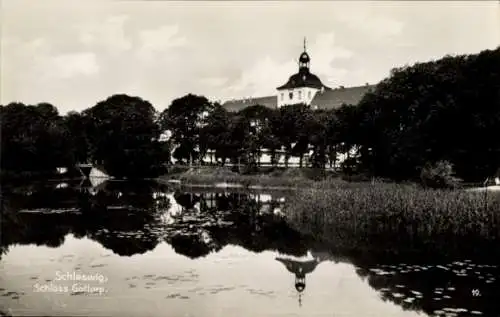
143,249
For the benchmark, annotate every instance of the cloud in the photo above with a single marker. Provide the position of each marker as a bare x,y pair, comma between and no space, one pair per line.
214,81
109,34
70,65
266,74
159,40
261,79
323,53
163,50
377,26
44,63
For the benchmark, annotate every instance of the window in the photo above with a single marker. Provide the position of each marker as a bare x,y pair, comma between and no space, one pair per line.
309,94
300,95
282,96
291,95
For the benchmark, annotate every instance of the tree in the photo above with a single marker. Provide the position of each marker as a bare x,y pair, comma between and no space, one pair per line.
124,137
216,134
254,121
270,135
185,117
317,127
77,126
332,137
292,130
34,138
443,110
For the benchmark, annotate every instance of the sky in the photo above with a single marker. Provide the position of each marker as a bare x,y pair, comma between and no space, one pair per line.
74,54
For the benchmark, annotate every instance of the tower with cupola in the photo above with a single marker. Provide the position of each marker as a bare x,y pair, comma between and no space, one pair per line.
302,86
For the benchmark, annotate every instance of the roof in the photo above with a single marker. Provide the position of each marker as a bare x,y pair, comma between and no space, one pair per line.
240,104
328,99
335,98
304,78
304,58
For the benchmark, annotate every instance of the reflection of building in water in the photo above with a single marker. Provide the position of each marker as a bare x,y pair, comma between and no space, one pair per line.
300,267
268,203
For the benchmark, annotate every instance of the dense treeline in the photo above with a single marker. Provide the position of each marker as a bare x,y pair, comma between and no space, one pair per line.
442,110
422,115
34,138
118,134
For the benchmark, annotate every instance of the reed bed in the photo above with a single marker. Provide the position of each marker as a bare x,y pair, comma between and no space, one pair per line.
365,214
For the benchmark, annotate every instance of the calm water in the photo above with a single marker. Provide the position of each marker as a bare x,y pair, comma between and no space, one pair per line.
122,249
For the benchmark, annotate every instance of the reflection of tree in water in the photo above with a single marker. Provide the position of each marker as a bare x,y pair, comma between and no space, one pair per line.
425,280
186,200
41,229
125,218
126,245
196,234
418,274
440,287
37,228
121,217
194,245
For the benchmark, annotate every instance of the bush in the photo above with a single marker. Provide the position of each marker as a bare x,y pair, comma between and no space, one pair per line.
439,175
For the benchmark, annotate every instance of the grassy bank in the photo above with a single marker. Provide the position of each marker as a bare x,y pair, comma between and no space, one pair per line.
212,176
394,216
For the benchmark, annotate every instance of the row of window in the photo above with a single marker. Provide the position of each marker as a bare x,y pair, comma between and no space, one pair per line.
290,95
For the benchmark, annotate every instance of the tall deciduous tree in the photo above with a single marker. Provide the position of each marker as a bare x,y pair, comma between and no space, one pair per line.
216,134
254,121
291,131
447,109
34,138
124,137
185,117
77,125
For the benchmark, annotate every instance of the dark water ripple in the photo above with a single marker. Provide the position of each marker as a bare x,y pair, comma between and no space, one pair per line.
458,288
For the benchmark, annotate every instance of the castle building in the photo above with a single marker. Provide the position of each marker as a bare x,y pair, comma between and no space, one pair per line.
304,87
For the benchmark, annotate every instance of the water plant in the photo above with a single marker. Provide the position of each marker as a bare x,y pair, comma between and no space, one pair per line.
386,215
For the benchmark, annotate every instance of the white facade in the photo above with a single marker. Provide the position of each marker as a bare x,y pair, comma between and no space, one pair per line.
295,96
293,161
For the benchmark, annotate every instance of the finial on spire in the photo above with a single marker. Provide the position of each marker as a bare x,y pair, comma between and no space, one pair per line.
304,43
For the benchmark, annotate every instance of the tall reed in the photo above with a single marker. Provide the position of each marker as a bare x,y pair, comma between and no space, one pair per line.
361,215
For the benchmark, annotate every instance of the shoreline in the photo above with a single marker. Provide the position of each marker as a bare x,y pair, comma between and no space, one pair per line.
257,182
226,185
